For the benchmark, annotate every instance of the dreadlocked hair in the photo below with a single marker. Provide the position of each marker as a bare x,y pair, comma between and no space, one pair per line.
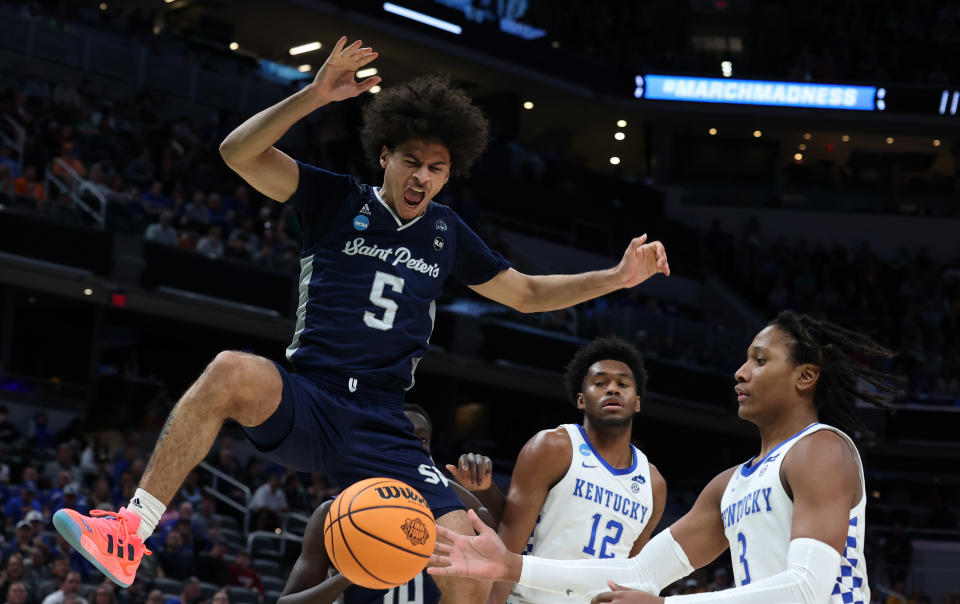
429,109
603,349
843,379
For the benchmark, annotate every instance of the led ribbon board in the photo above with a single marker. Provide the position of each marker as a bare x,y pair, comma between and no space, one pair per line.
756,92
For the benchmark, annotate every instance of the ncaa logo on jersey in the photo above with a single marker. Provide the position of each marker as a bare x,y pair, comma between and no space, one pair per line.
438,243
585,450
361,222
441,225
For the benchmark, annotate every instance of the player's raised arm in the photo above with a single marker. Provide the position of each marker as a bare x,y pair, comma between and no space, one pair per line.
308,582
474,473
249,150
540,293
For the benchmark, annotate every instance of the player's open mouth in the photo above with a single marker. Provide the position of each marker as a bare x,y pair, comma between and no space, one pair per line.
611,402
412,197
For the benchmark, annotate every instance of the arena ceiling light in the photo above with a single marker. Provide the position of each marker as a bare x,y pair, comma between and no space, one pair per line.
528,104
304,68
936,142
621,123
366,73
757,134
310,46
615,160
375,89
619,136
413,15
798,156
712,131
845,138
234,46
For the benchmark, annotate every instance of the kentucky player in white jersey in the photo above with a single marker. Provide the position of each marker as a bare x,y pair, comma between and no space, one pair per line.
584,491
792,516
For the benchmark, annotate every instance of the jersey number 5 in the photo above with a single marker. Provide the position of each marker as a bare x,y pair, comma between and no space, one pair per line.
381,280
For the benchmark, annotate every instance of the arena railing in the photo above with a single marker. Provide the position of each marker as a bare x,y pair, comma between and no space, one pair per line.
75,188
242,507
282,537
17,141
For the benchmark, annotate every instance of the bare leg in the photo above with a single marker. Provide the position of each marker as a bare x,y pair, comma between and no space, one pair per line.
460,590
235,385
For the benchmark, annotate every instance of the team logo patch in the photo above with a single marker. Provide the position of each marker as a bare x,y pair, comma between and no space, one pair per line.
361,222
415,530
636,482
438,243
585,450
441,225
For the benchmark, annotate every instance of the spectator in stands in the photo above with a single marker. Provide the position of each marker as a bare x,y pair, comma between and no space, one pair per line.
8,432
221,597
6,159
897,552
211,245
55,496
217,214
135,594
154,201
268,502
237,246
6,182
37,525
140,170
195,215
104,594
130,454
721,580
15,571
163,231
190,594
22,540
70,166
176,562
17,593
95,456
212,566
205,512
56,572
4,469
155,597
18,506
242,574
190,491
40,560
69,587
100,494
39,433
73,500
124,491
64,462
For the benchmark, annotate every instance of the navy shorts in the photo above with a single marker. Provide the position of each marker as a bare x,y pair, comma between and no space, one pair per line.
350,432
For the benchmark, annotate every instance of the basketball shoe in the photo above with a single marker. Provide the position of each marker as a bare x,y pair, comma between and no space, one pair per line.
108,540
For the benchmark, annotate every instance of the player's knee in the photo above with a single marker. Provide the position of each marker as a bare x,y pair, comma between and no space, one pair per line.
226,367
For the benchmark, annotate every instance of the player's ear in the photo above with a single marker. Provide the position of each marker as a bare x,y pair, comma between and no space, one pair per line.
384,156
638,404
580,404
807,377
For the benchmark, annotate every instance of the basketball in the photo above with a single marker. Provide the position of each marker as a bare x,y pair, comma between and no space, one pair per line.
379,533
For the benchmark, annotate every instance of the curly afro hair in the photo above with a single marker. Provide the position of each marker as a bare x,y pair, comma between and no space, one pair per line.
427,108
602,349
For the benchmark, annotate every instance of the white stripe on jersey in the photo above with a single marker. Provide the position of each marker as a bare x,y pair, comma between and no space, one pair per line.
595,511
757,515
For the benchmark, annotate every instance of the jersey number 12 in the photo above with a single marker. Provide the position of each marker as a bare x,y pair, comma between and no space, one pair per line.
381,280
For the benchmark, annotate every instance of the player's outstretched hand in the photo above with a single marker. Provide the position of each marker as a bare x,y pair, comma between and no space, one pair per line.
483,556
625,595
641,261
473,471
335,80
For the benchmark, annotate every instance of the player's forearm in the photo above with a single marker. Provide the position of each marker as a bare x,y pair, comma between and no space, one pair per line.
324,593
492,499
553,292
260,132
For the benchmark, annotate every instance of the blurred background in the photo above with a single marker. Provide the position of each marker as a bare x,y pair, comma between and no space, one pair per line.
789,154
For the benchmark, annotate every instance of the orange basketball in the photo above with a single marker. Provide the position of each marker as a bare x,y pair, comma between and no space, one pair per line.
379,533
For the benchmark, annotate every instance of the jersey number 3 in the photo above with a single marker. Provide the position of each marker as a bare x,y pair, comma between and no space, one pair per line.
389,307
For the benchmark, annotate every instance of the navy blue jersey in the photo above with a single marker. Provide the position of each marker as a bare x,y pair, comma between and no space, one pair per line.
368,281
421,590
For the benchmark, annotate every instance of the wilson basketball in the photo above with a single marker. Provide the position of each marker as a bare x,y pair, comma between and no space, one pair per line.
379,533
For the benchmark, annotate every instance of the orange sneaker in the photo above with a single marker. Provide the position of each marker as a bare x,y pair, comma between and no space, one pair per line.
108,540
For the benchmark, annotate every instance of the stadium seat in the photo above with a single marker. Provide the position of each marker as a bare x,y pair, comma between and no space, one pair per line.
207,590
167,585
243,595
272,595
266,567
272,582
227,522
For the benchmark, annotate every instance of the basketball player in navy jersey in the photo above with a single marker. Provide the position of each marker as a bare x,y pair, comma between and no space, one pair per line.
584,491
309,582
792,516
374,261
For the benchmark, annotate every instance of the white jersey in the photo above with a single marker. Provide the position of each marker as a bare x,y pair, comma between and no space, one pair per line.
595,511
757,515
